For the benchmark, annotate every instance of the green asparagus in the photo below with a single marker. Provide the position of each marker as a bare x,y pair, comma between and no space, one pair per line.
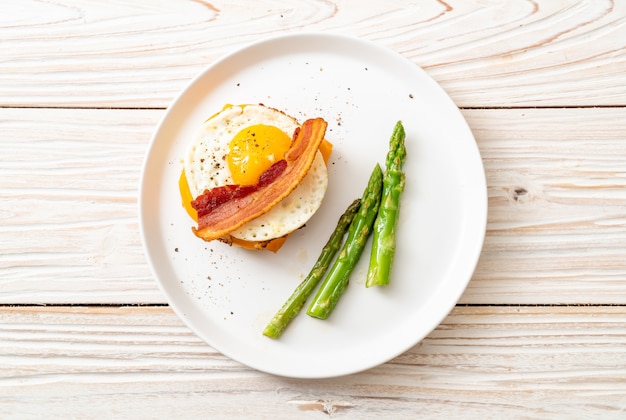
295,302
384,240
337,278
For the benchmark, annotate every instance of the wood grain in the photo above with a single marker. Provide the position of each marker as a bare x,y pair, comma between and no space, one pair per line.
75,361
83,53
557,206
555,234
68,206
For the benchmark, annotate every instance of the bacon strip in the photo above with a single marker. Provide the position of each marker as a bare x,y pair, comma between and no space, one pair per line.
211,199
235,208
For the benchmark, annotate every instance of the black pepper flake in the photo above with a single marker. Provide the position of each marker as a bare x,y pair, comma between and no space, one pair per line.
176,249
411,95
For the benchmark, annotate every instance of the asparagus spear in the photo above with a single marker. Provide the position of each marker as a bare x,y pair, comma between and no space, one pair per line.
337,279
295,302
384,240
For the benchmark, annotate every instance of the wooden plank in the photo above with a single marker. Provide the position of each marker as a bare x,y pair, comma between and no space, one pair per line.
556,185
69,230
499,362
557,208
82,53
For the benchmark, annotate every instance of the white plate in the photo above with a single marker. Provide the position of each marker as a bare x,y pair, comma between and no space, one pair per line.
227,295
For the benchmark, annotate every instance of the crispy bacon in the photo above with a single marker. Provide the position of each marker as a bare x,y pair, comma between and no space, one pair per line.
214,198
224,209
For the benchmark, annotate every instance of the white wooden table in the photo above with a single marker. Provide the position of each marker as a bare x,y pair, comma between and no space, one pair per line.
541,329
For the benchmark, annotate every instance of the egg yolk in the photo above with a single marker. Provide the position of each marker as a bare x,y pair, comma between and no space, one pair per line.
253,150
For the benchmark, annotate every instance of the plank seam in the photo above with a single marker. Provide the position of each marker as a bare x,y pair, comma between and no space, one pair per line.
158,108
460,305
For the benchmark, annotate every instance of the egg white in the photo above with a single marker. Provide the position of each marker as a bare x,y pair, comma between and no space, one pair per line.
206,167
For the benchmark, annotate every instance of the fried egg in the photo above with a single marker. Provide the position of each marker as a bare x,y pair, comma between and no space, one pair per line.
235,146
